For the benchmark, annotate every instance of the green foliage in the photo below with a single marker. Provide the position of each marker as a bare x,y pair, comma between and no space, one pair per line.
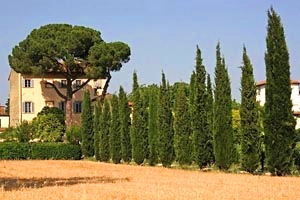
279,122
182,128
165,126
296,156
97,116
104,132
55,151
249,113
73,134
125,121
87,126
115,135
139,124
17,150
9,134
59,114
7,106
14,151
153,124
48,128
201,135
210,117
223,136
24,131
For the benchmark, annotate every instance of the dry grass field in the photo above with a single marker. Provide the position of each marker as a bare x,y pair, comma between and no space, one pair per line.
84,180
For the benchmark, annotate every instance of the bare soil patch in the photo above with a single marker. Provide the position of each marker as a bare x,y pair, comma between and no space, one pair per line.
73,180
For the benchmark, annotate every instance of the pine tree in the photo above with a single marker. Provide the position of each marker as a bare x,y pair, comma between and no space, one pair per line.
138,124
165,128
124,112
200,119
104,132
153,124
182,127
250,157
223,136
97,115
210,118
279,123
87,133
115,136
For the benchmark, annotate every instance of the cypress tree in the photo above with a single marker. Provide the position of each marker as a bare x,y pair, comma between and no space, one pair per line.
182,127
138,124
115,135
97,115
279,123
104,132
124,112
200,121
87,133
250,157
223,136
210,119
153,125
165,127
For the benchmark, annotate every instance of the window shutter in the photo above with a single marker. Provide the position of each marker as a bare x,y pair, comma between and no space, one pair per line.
23,107
74,106
23,83
31,80
32,107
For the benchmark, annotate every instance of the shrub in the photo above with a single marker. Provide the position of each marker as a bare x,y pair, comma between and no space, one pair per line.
9,134
55,151
296,156
74,135
58,113
48,128
24,131
14,151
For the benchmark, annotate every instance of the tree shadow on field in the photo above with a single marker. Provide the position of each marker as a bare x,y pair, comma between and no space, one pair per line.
9,183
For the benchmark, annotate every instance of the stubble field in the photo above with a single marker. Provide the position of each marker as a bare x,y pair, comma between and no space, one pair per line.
81,180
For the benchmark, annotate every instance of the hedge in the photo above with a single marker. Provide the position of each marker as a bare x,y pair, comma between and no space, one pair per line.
42,151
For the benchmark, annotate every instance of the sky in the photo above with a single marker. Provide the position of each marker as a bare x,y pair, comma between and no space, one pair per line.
162,34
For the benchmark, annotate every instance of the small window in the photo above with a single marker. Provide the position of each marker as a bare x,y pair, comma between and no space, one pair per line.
49,103
62,105
77,107
28,83
77,83
63,83
28,107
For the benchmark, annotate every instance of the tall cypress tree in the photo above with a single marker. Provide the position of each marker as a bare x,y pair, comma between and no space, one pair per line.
124,112
182,127
210,118
115,135
138,124
279,123
250,157
223,136
165,128
200,120
104,132
87,133
97,115
153,124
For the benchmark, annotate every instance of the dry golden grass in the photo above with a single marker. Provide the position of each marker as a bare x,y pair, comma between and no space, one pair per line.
81,180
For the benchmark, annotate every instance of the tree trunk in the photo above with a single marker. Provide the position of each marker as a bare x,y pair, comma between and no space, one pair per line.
69,104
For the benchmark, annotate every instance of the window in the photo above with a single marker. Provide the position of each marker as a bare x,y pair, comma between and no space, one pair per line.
62,105
77,83
28,107
77,107
63,83
27,83
49,103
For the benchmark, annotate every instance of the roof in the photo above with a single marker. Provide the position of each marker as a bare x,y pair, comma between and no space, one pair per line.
261,83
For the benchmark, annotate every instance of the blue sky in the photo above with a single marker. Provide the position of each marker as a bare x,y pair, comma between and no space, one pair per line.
162,34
